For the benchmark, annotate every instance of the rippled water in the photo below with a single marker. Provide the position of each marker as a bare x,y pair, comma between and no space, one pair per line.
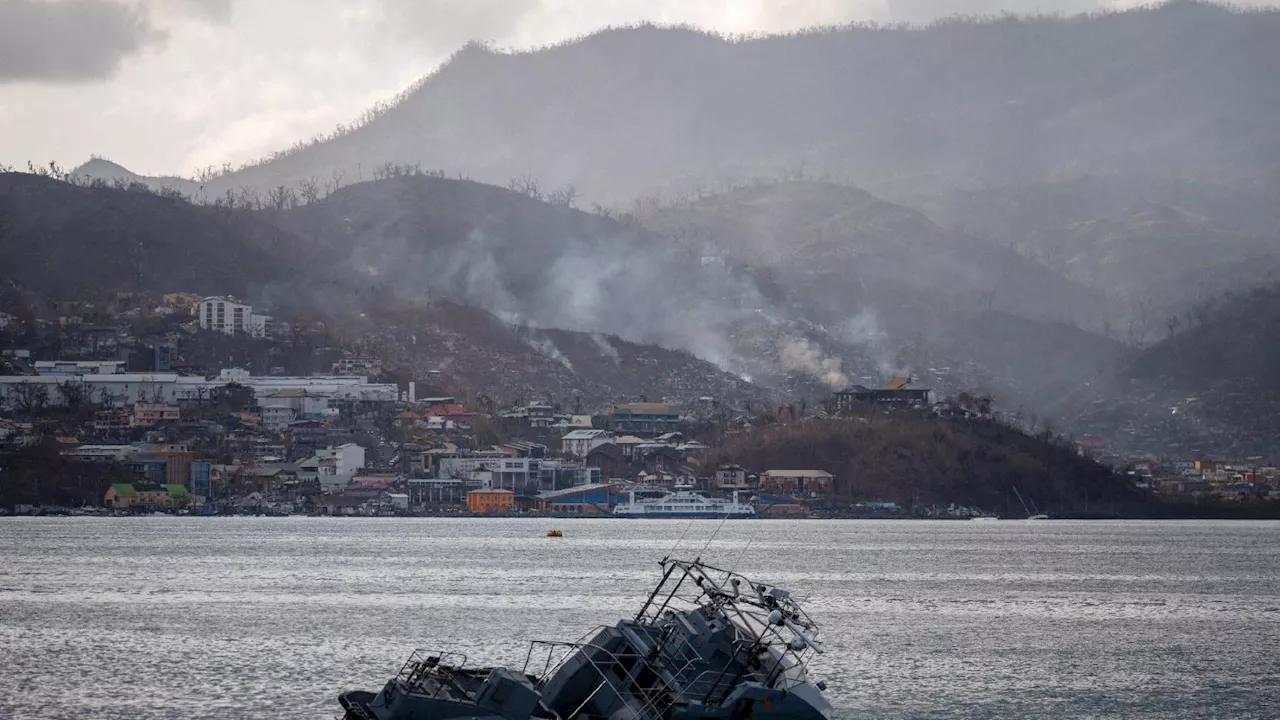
270,617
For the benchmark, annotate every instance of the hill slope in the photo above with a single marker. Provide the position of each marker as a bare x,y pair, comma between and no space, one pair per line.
927,461
958,102
63,241
1212,390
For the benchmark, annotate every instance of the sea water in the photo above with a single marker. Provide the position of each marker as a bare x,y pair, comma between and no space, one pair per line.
165,617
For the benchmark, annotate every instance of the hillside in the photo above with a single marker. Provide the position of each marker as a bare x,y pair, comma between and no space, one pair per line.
1153,248
1211,390
960,102
916,460
853,249
894,292
62,241
362,260
471,353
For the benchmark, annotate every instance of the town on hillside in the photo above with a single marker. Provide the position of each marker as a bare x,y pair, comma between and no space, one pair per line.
143,405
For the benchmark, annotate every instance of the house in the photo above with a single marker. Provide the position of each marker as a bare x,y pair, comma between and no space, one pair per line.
895,395
490,501
644,418
628,444
731,477
607,457
540,415
797,481
233,317
335,466
577,443
663,459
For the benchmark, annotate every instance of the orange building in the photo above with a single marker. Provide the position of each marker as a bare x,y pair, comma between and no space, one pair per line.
489,501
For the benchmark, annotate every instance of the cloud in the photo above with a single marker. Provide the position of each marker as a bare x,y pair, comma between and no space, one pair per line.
211,11
70,40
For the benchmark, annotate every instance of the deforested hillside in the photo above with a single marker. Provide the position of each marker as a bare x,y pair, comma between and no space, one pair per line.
1209,390
921,461
62,241
1181,90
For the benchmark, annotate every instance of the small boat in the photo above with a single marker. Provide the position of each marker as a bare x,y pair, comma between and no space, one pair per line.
983,518
554,533
706,644
1037,517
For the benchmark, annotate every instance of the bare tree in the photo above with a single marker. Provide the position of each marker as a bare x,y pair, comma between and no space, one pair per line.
309,189
75,394
526,185
564,197
29,398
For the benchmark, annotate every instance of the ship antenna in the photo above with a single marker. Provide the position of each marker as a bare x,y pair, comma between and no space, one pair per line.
713,537
744,552
679,540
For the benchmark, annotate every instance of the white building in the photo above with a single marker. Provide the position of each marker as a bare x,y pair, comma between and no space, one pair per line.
345,388
337,465
228,315
282,407
79,367
580,442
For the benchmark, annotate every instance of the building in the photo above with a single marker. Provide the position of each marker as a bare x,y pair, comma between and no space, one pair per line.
607,457
202,478
577,443
597,499
644,418
357,366
147,415
280,408
145,496
233,317
437,491
79,367
336,466
490,501
895,395
797,481
731,477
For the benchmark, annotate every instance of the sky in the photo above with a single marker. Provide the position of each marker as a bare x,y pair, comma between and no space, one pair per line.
164,87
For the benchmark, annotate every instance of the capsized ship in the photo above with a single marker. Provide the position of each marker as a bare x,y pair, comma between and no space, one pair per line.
707,643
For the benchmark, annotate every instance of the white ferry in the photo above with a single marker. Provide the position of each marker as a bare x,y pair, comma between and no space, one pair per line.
684,503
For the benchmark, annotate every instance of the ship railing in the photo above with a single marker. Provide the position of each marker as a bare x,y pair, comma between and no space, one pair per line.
656,698
425,665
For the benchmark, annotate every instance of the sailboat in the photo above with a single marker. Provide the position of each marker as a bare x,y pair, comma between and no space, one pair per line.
1030,515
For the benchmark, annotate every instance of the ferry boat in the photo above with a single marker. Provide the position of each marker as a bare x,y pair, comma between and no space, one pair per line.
684,503
707,644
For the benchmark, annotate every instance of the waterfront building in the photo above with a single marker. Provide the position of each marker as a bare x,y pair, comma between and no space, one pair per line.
490,501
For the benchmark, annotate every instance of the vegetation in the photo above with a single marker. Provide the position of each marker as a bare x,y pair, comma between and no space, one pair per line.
918,460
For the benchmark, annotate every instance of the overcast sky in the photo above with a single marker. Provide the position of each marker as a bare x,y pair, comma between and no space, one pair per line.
166,86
